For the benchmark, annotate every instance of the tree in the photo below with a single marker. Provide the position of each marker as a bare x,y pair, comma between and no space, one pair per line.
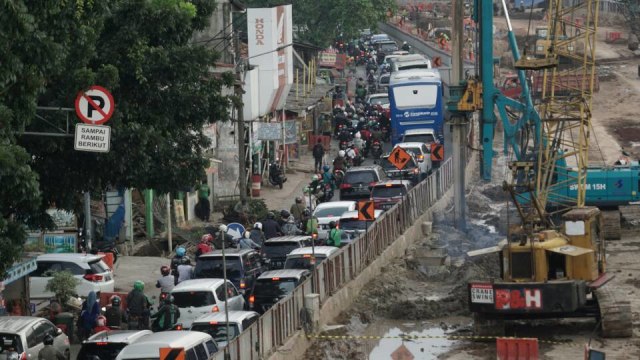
320,22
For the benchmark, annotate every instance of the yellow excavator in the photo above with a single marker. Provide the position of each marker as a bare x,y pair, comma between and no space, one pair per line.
553,262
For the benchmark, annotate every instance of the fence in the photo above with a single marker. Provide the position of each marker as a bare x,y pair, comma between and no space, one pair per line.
280,322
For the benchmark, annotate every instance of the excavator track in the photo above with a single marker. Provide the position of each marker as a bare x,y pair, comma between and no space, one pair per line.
615,313
487,327
612,228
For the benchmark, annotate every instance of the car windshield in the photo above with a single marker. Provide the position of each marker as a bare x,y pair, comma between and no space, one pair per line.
388,47
9,343
279,249
193,298
357,177
354,224
414,150
98,267
387,192
100,351
302,262
388,166
421,138
211,267
218,331
330,212
274,288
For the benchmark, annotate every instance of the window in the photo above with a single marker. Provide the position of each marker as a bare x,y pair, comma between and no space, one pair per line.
98,267
100,351
334,211
415,96
248,322
10,342
32,337
73,268
193,298
355,177
423,138
201,352
211,267
388,191
256,261
218,331
303,263
211,347
220,293
268,288
279,249
231,290
191,354
353,224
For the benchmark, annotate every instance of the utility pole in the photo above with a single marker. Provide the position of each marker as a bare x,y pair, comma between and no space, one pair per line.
458,122
242,168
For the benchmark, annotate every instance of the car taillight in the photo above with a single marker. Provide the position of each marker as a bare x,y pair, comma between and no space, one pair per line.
252,299
177,327
345,186
215,309
93,277
242,285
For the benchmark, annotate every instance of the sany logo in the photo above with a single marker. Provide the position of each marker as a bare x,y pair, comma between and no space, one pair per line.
518,299
412,114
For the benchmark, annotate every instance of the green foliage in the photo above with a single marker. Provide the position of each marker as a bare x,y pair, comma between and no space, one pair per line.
63,285
338,17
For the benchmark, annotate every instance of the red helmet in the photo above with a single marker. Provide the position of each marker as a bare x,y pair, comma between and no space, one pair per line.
165,270
207,238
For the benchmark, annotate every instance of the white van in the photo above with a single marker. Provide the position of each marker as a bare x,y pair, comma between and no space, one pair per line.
197,345
303,258
198,297
215,324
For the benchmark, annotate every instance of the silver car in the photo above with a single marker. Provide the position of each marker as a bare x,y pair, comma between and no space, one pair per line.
21,337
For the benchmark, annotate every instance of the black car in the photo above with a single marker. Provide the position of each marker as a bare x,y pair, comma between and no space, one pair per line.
275,250
410,171
358,180
243,267
274,285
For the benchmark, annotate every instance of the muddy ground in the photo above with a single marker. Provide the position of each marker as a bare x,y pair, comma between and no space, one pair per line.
411,299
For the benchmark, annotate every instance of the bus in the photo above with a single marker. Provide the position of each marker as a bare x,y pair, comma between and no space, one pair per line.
415,102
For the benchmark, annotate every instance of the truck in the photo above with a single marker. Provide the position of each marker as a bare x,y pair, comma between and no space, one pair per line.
568,82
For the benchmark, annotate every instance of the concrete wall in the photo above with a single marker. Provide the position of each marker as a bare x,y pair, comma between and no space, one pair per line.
343,299
218,33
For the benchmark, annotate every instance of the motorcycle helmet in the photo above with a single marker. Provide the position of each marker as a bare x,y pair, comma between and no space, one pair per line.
358,136
291,219
298,199
138,285
247,235
206,238
222,228
48,339
341,153
101,321
271,215
180,251
169,299
315,177
332,225
284,214
165,270
115,299
326,168
257,225
185,261
306,212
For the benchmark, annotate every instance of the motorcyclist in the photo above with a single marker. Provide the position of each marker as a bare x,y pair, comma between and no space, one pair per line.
352,154
406,47
167,281
257,236
101,325
204,245
360,82
167,316
297,208
339,162
138,306
358,142
344,135
290,227
361,92
223,236
245,242
49,352
114,314
371,77
271,227
327,177
284,215
185,270
176,260
335,235
311,227
365,133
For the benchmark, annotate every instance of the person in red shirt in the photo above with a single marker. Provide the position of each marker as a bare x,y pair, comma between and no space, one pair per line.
204,246
101,325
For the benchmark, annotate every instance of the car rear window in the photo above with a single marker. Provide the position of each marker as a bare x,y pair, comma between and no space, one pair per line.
193,298
422,138
10,343
302,262
384,79
416,151
211,268
218,331
100,350
353,224
274,288
280,248
382,100
356,177
387,191
332,211
97,267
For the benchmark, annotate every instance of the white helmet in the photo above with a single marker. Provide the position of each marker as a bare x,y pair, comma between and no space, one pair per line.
257,225
247,234
315,177
358,136
223,228
341,153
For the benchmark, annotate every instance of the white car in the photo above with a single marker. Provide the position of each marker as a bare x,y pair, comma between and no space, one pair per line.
91,271
422,152
198,297
328,212
425,135
381,99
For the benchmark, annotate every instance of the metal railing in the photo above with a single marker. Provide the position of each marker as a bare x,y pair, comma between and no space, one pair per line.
281,322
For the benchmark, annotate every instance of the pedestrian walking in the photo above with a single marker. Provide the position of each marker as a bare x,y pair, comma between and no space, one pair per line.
318,154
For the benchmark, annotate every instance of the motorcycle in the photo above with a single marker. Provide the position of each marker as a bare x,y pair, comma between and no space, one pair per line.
338,174
343,145
376,149
276,175
325,193
385,134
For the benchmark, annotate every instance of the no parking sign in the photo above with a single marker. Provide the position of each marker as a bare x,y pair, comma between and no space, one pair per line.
94,106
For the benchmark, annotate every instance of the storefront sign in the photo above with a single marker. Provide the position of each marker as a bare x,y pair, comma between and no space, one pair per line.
19,270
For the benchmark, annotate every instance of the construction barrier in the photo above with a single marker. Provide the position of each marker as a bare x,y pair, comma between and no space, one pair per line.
105,299
517,349
256,183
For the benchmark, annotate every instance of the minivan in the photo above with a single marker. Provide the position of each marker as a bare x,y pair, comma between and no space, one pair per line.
306,258
198,297
106,345
272,286
275,250
197,346
243,267
215,324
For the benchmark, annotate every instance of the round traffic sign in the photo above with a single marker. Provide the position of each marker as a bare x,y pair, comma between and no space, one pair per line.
95,106
235,230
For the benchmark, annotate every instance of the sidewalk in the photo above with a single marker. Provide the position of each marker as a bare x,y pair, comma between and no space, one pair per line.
299,172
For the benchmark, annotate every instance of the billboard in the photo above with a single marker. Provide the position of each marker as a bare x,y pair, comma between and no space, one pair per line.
270,37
